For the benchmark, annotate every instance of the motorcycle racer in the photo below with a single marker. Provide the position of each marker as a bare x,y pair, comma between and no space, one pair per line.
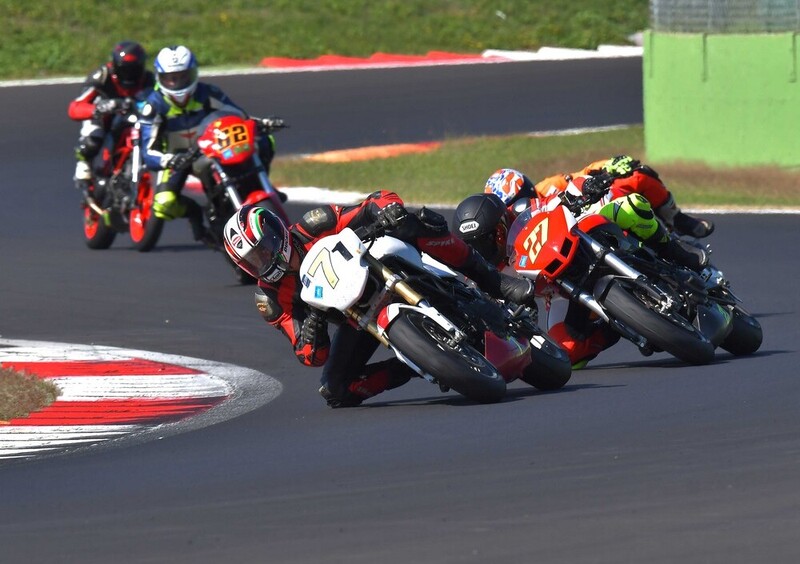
484,226
122,76
171,115
631,176
259,243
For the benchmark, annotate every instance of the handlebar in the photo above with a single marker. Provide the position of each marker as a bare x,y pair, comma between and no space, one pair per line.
270,124
574,203
370,232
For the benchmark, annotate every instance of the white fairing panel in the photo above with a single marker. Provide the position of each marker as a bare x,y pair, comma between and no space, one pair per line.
332,273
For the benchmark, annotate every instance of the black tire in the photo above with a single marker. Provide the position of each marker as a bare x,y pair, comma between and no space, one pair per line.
461,368
745,336
551,368
674,335
97,234
151,235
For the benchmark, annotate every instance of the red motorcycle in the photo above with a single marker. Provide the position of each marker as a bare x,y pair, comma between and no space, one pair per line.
229,142
121,197
593,262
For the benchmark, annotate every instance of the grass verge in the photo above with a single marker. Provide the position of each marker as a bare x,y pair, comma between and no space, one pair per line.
71,37
21,394
461,166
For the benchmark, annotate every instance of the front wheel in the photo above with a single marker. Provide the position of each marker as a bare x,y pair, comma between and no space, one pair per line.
637,309
457,366
746,334
144,227
99,234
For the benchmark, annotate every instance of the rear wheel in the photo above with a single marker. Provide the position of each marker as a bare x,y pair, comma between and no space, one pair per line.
637,309
98,232
551,368
457,366
745,336
144,227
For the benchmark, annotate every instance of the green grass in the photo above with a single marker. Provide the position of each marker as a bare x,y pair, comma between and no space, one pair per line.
70,37
461,166
21,394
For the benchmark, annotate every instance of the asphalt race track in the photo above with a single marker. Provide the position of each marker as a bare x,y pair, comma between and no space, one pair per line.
636,460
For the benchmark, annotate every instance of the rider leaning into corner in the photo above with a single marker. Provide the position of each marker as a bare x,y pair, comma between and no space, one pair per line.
122,76
623,189
171,115
258,242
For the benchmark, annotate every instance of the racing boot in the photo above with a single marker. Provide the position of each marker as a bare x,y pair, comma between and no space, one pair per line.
495,283
199,231
379,377
695,227
682,223
678,251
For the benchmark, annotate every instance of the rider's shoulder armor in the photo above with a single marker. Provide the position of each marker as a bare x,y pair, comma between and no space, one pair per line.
434,221
267,304
644,169
317,221
98,78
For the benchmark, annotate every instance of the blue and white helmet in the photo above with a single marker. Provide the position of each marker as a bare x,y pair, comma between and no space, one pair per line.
176,73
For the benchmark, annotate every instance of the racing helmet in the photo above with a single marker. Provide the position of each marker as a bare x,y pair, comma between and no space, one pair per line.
127,64
481,220
258,242
509,185
176,73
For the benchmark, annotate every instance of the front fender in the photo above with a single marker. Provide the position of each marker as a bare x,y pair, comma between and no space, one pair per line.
391,311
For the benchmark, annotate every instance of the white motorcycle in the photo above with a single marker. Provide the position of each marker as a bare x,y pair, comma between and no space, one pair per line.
448,332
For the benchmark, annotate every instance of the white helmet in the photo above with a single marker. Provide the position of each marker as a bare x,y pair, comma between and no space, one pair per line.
259,243
176,73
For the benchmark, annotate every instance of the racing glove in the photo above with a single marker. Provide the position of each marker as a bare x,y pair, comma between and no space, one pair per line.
392,216
314,343
595,187
179,161
107,106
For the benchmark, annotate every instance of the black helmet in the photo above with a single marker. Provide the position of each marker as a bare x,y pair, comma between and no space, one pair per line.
127,64
481,220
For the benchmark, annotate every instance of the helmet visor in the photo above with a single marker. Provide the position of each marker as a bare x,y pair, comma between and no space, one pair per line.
129,75
269,259
178,80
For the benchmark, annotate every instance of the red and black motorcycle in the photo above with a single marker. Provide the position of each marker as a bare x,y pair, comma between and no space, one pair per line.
594,263
120,199
228,141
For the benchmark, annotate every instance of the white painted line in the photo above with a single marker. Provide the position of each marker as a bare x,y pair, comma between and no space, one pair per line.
92,388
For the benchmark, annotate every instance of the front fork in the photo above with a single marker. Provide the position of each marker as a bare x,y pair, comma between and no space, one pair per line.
588,300
395,285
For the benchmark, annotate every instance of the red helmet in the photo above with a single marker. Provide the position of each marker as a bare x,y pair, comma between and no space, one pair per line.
127,64
258,242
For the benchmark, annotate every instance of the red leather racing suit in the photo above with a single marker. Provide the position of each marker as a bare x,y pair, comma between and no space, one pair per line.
346,372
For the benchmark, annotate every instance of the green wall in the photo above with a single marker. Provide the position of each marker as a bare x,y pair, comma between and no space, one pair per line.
722,99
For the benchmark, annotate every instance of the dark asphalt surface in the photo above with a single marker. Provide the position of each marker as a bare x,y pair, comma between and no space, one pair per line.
636,460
